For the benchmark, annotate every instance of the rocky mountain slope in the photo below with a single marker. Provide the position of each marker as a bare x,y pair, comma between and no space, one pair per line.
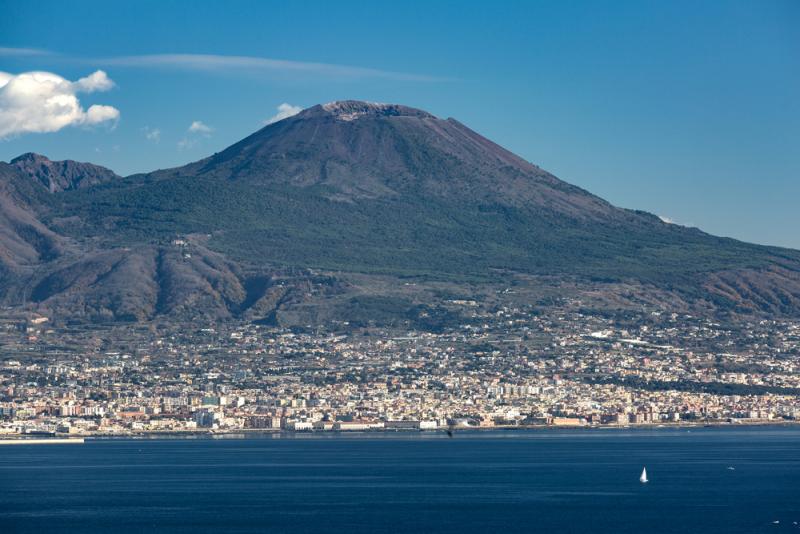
57,176
24,240
346,203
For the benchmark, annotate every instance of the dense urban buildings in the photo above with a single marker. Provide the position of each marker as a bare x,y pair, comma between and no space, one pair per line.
506,366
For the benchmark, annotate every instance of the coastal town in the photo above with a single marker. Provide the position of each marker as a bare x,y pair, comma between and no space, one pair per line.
505,367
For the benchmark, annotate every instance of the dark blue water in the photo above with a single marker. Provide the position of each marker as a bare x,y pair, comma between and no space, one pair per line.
503,482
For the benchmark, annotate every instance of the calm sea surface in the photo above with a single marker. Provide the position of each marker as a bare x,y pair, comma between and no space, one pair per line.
498,482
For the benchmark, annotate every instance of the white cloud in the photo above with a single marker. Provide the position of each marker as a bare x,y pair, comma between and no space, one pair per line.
284,112
97,114
199,127
152,134
195,134
97,81
36,102
670,220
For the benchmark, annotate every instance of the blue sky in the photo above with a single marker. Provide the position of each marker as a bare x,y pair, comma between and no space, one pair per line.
685,109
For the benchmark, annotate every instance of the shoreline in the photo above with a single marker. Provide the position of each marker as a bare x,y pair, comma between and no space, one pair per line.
43,441
246,432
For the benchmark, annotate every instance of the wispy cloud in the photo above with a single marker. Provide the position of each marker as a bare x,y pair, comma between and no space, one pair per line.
23,52
186,143
152,134
256,65
284,112
230,64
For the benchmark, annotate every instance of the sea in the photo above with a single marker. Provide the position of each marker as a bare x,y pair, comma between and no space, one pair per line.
704,480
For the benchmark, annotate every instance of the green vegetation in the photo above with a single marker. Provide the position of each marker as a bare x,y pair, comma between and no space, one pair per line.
407,236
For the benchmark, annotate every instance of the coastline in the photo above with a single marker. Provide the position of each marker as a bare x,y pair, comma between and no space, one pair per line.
248,432
42,441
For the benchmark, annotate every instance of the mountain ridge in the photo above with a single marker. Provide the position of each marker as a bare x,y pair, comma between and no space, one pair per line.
59,176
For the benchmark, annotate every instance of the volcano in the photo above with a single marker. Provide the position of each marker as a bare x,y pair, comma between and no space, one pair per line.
353,202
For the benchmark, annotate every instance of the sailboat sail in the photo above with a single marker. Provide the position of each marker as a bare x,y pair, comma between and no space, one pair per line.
643,477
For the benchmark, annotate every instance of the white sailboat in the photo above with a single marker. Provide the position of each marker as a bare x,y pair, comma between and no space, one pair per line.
643,476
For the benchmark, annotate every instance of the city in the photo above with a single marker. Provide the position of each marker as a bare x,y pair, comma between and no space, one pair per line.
420,267
505,367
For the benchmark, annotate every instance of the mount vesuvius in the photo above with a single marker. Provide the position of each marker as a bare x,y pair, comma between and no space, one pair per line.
354,211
